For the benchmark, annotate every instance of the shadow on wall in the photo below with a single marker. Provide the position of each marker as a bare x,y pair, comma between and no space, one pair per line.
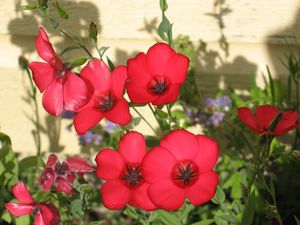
26,25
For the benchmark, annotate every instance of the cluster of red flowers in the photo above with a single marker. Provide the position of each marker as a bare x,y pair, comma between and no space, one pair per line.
180,167
97,93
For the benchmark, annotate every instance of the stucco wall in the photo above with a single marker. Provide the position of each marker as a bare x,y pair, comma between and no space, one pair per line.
256,33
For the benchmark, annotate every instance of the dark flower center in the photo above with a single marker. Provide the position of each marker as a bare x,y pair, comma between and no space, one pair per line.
158,85
60,169
106,102
36,209
62,72
185,173
132,175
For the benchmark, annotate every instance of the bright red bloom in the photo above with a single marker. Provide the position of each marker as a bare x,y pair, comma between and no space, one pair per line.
125,181
265,114
44,213
156,77
62,175
62,88
107,100
181,167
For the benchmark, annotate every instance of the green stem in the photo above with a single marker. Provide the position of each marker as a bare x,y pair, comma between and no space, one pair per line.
77,43
170,116
153,111
146,121
37,117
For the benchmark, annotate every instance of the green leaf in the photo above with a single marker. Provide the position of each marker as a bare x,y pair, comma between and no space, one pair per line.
136,121
78,62
219,196
76,208
29,6
53,23
204,222
22,220
163,5
230,218
164,28
69,48
6,217
96,222
178,114
60,10
297,220
161,113
249,210
93,32
43,6
151,141
168,217
272,86
110,64
29,162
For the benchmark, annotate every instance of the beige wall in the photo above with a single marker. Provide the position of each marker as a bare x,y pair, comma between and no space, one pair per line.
256,32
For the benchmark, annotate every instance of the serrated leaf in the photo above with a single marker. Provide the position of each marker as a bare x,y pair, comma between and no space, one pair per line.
61,11
78,62
29,6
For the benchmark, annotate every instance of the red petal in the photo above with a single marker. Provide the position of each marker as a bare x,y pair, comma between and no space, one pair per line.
204,188
46,179
265,114
52,161
182,144
141,199
288,122
21,193
45,49
50,214
132,147
166,195
97,72
207,156
177,68
119,113
76,92
247,117
19,209
115,195
169,96
137,71
79,164
53,98
43,74
86,119
139,95
158,164
158,57
62,185
118,79
38,219
109,164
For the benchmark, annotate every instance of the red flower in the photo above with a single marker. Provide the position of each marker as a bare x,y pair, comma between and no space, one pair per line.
107,100
156,77
265,114
44,213
181,167
61,87
122,170
62,175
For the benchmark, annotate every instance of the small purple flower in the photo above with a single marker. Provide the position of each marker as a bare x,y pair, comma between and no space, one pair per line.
216,118
110,127
97,139
210,103
86,138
